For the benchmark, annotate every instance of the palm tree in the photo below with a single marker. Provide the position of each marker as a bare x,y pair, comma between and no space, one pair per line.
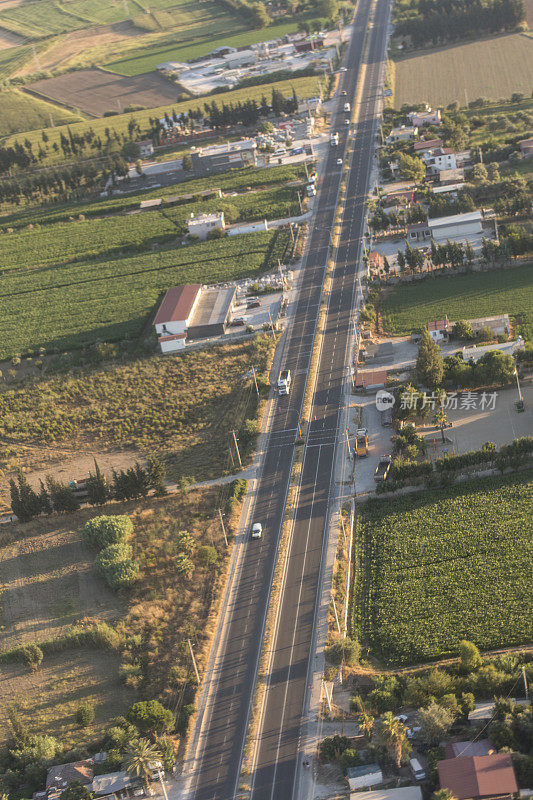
392,735
441,420
137,758
366,723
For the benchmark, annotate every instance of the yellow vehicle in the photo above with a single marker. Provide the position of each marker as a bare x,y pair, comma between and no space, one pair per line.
361,443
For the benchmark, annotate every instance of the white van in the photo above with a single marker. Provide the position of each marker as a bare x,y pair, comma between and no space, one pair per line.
417,769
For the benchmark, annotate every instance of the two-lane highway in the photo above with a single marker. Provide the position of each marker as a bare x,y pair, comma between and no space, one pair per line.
277,759
224,724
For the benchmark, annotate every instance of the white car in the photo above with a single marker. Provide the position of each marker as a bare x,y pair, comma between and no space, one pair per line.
257,530
339,162
343,69
401,717
346,121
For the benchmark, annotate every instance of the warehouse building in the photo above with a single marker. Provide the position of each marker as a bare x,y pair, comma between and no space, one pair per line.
192,312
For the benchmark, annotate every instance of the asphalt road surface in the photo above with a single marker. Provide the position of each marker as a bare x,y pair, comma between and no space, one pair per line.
277,763
226,717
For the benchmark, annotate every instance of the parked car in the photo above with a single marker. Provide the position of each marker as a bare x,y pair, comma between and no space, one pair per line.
343,93
236,321
253,303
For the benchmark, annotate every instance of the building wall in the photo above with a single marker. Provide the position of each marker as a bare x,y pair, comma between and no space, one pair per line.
172,345
177,326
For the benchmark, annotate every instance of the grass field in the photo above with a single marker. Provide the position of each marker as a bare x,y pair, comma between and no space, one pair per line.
435,568
21,112
304,87
462,297
78,304
13,58
182,408
145,61
491,68
38,18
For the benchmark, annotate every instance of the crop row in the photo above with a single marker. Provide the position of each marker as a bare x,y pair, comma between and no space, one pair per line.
438,568
76,240
107,300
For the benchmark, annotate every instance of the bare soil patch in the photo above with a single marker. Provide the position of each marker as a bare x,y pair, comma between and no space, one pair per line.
96,91
72,44
48,583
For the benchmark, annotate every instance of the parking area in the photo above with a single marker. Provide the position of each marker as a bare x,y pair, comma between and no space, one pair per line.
492,418
264,314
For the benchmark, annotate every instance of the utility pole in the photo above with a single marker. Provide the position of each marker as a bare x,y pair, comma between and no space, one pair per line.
223,526
336,617
236,445
348,444
194,662
300,200
255,381
271,323
342,529
159,775
292,234
525,682
282,278
518,386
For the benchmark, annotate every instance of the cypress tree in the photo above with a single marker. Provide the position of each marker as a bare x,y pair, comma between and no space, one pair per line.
156,474
97,489
429,364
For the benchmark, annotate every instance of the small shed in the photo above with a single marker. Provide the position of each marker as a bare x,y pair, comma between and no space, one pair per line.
62,775
364,776
111,783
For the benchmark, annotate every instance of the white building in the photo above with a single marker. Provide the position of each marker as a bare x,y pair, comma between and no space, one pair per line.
475,353
458,226
403,134
146,148
364,776
174,316
405,793
204,224
439,159
428,117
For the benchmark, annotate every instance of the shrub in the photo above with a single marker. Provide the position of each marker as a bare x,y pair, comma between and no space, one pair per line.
85,715
32,655
332,747
116,566
346,650
106,530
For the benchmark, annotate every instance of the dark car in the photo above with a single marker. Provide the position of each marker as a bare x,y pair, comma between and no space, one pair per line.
238,321
253,304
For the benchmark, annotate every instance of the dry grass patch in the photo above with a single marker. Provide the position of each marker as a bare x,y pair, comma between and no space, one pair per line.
47,700
490,68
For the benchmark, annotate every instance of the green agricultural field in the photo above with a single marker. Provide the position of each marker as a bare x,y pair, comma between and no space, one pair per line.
239,180
13,58
490,68
75,305
304,87
21,112
38,18
78,240
435,568
475,295
147,60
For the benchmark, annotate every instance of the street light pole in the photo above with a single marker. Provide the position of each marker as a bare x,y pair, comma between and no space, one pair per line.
237,448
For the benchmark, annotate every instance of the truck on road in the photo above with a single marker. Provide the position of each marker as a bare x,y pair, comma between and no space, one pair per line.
284,382
382,469
361,443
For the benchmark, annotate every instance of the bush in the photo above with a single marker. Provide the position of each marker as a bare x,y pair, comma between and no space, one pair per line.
346,650
332,747
32,656
116,566
85,715
105,530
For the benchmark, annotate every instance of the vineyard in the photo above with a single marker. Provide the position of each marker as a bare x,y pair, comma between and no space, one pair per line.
107,300
83,239
237,181
437,568
182,408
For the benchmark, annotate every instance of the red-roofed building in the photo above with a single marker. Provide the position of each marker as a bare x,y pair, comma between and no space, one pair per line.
174,315
439,330
428,144
372,379
478,777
